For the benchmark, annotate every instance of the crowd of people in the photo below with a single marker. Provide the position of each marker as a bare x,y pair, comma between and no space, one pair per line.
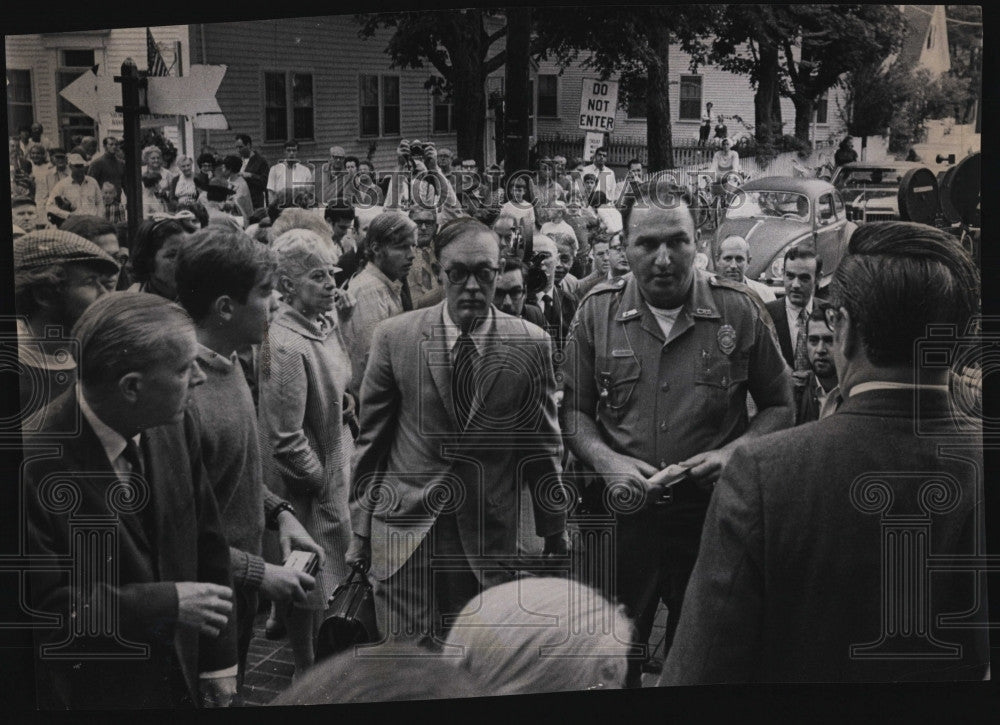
514,400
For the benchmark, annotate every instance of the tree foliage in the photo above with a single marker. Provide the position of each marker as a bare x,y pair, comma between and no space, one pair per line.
632,43
832,40
457,45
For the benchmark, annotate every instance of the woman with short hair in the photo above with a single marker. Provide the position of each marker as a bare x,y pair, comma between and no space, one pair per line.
304,415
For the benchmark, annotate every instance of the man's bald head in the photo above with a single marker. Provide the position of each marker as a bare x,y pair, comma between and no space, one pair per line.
733,258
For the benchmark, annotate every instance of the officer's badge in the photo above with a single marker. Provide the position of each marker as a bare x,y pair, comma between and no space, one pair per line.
727,339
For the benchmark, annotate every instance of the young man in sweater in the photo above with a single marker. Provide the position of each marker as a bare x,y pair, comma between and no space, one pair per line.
224,281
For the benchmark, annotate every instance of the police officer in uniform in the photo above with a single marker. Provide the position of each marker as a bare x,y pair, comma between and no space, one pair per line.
658,367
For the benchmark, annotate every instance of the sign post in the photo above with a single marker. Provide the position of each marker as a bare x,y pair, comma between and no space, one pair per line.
132,82
598,103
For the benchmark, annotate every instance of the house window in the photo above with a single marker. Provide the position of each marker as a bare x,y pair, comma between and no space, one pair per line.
20,111
378,105
72,121
822,108
443,118
690,105
288,103
636,104
302,105
548,95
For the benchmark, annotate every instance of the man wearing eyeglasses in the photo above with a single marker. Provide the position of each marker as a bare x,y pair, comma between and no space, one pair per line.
658,367
815,565
422,279
458,412
510,296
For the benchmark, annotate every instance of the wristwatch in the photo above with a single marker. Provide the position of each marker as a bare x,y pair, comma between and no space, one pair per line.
272,518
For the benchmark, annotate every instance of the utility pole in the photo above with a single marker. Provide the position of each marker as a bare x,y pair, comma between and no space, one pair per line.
133,104
517,102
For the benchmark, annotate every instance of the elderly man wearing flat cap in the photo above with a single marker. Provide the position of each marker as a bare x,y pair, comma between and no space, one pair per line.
78,194
57,275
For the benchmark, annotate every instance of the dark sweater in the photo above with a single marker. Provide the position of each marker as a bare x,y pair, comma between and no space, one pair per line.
231,454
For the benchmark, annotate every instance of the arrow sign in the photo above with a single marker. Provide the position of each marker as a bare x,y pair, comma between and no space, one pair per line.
93,94
189,95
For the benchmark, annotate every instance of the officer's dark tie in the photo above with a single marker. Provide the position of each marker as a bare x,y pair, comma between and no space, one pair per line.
801,352
463,357
404,295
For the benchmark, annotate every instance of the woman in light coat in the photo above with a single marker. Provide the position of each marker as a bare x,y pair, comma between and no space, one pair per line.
304,371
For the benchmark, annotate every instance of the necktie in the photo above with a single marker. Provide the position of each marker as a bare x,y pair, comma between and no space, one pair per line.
404,296
463,386
801,353
133,455
547,307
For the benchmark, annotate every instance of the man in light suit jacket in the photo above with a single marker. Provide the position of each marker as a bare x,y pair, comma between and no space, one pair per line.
458,411
813,532
152,626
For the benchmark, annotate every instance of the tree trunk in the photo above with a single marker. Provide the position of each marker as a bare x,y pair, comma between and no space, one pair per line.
766,99
659,137
517,101
803,115
469,98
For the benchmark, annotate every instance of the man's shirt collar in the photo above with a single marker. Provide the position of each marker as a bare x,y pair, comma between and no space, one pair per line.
479,335
111,440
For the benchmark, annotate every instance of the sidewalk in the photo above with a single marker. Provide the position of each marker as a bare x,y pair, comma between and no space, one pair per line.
270,664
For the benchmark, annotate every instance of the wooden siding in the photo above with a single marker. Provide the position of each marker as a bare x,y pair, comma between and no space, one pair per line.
40,55
730,94
330,49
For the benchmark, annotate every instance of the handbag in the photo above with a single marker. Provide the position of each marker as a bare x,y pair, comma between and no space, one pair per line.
350,617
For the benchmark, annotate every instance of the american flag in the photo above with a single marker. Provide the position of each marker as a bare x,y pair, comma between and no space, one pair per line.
154,61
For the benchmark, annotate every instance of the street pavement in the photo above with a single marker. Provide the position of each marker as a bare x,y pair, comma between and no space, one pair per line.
270,664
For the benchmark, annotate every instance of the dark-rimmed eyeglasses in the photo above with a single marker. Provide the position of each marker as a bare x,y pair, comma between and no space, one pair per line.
483,275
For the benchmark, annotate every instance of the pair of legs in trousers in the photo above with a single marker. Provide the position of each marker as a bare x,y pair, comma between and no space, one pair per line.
654,557
414,605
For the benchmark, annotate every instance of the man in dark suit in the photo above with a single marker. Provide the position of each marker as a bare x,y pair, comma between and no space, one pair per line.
557,306
511,291
458,411
255,170
152,624
817,393
812,532
790,314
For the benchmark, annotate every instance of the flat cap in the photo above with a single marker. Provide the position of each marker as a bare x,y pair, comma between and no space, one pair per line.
54,246
337,151
76,160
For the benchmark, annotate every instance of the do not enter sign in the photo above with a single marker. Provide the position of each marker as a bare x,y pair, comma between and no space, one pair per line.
597,105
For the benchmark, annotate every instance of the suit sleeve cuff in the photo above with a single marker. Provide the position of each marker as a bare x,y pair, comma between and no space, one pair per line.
218,674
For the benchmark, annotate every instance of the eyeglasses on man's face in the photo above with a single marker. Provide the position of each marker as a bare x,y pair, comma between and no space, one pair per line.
459,274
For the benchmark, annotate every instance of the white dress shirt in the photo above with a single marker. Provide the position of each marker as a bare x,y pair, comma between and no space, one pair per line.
452,331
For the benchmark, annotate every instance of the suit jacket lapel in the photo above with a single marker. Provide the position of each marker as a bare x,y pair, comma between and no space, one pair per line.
88,449
437,360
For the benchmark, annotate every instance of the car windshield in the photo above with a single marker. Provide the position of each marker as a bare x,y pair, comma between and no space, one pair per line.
769,204
869,178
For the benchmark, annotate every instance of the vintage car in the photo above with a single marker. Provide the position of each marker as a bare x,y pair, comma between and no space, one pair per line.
870,190
778,212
